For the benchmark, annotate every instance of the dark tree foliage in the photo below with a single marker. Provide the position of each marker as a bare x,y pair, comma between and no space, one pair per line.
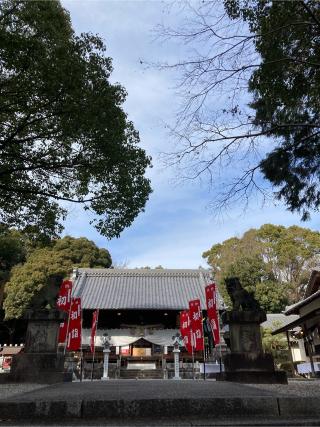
13,251
250,100
64,136
286,93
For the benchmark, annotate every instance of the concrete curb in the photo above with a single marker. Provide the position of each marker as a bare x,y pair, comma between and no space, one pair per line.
297,406
217,408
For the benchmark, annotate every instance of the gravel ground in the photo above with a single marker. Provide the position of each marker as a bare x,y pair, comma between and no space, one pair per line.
8,390
303,388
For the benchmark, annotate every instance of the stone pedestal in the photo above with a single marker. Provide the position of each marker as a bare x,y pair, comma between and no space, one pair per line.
247,362
40,362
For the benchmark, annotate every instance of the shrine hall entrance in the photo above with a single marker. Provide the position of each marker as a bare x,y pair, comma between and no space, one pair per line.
141,354
141,348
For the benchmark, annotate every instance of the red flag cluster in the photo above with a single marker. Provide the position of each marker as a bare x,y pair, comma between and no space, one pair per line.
191,321
185,330
70,329
63,332
74,330
64,296
212,310
195,314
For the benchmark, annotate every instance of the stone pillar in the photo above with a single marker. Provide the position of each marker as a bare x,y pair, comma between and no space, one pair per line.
176,352
106,353
247,361
40,362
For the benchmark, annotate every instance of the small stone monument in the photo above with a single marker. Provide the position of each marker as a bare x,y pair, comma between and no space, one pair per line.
247,361
40,362
106,351
177,342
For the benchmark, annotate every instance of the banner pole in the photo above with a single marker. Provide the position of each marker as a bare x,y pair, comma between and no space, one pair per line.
204,354
94,344
68,324
192,340
93,355
81,351
220,353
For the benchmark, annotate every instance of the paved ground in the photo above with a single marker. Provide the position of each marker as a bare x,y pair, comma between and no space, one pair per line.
145,403
9,390
154,389
178,423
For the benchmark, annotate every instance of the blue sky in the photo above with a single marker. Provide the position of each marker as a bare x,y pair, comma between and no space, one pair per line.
177,225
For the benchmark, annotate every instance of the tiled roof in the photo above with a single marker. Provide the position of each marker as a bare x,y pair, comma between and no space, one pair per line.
141,288
277,320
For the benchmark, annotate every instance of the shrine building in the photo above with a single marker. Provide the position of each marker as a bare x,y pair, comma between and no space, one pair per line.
139,310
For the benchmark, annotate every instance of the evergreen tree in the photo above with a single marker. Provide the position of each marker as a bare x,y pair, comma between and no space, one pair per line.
63,133
273,262
46,264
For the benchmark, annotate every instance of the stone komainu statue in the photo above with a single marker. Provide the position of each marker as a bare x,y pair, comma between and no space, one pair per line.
241,299
46,298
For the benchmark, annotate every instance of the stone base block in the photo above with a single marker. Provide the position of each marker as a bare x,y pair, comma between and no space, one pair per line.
43,330
45,368
248,361
254,377
238,317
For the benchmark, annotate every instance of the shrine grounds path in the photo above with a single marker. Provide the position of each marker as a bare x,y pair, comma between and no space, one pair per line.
161,402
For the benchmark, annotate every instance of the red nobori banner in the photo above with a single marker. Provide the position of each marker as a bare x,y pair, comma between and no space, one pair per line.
63,332
64,296
196,325
74,333
212,310
185,330
94,326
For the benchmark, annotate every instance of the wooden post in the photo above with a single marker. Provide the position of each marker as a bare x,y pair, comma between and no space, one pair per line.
305,331
290,353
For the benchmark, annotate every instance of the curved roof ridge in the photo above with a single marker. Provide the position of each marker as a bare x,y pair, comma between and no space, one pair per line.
138,271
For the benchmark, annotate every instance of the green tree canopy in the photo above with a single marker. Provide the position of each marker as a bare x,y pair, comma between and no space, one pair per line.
250,86
63,133
13,250
273,261
277,345
45,264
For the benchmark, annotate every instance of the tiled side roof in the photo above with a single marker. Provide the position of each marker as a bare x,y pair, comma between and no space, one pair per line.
277,320
141,289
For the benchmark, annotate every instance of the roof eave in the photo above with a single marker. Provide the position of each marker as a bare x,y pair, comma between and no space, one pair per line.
295,308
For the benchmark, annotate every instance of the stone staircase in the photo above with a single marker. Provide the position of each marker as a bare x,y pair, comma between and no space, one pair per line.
133,374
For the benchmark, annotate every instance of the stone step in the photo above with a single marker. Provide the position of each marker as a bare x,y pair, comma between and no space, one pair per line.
141,373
